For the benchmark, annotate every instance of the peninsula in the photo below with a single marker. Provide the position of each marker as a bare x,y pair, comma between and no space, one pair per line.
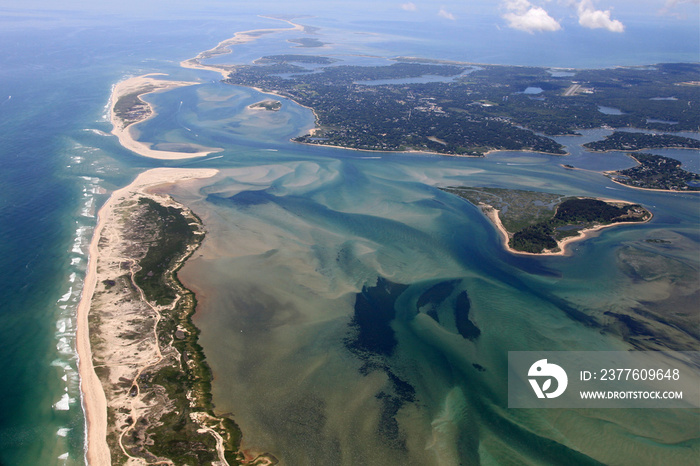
542,223
656,172
629,141
145,380
224,47
127,109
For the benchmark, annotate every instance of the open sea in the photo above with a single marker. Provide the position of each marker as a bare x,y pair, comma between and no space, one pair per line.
302,238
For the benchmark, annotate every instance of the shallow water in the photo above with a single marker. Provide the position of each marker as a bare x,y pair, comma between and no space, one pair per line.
296,233
291,246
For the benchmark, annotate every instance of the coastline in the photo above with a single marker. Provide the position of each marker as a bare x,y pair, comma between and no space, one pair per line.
491,151
632,151
143,149
607,174
492,214
318,128
677,191
223,48
142,85
93,394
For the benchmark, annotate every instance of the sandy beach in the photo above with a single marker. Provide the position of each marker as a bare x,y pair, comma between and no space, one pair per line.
584,234
224,48
102,255
143,85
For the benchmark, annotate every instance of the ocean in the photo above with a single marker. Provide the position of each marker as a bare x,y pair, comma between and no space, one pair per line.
298,236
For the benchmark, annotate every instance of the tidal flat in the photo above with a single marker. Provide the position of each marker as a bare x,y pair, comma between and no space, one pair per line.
296,250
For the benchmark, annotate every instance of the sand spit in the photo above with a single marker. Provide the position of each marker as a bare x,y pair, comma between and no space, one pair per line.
224,48
124,119
120,356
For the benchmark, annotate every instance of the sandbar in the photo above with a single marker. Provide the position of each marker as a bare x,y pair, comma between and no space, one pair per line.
224,48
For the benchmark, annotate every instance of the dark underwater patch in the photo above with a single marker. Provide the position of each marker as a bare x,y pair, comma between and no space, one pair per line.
373,341
465,326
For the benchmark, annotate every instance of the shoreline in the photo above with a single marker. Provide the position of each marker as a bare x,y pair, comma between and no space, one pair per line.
491,151
631,151
492,214
143,85
93,396
676,191
94,425
318,128
609,174
224,47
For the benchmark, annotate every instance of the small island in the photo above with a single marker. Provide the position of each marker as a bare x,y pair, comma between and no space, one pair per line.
307,42
656,172
623,140
543,223
270,105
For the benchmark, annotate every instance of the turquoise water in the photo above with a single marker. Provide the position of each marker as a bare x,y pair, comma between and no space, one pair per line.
296,233
57,166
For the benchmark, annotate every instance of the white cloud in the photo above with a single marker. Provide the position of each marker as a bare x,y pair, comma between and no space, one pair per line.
525,16
589,17
410,6
675,7
445,14
673,3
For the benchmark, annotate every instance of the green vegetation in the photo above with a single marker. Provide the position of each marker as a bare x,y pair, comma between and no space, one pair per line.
108,283
483,108
657,172
271,105
290,58
518,209
573,216
536,221
175,235
130,108
187,380
622,140
307,42
178,438
534,239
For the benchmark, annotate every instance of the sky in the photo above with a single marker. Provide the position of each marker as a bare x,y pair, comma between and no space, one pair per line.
542,16
531,16
668,29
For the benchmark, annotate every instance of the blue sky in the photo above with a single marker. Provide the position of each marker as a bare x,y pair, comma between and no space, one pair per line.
538,16
526,15
542,19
